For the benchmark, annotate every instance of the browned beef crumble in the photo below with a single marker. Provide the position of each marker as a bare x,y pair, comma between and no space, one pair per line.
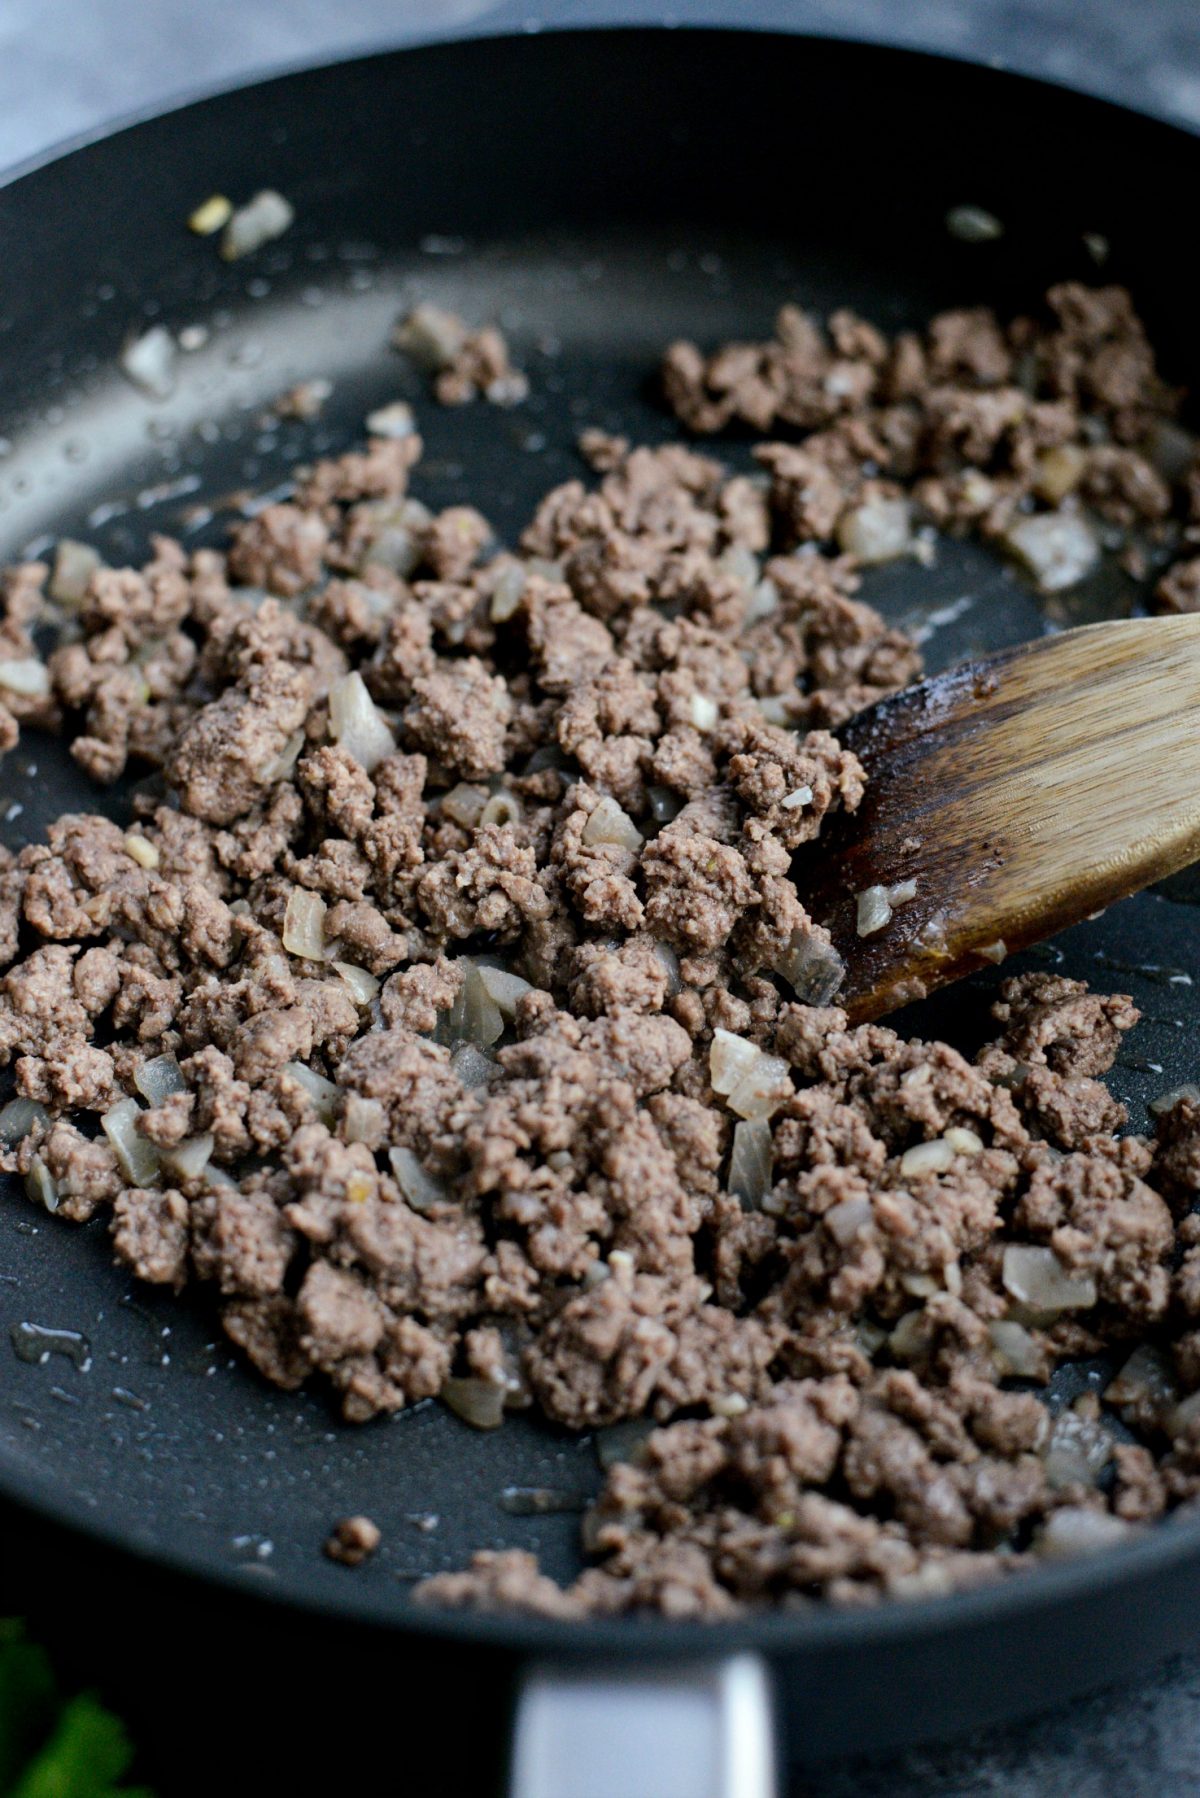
419,1013
353,1540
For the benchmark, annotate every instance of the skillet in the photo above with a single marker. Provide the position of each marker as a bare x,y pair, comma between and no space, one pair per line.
598,193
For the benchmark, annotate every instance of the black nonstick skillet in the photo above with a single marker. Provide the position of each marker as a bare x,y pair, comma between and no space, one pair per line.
597,193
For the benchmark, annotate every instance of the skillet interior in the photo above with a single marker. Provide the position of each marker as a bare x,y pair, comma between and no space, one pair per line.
598,193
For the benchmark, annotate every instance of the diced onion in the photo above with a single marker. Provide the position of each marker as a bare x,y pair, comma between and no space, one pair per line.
762,1089
812,968
845,1220
419,1188
356,722
397,539
464,805
1057,548
750,1162
994,952
471,1065
188,1159
304,924
210,215
796,798
1058,472
1146,1378
364,1120
286,760
158,1078
972,224
502,808
610,824
1167,1101
149,362
506,594
136,1156
874,910
363,985
1078,1530
474,1016
664,805
322,1092
430,336
670,961
74,566
26,676
18,1118
729,1059
964,1141
142,850
262,219
1076,1451
394,420
503,989
878,531
478,1402
764,601
41,1185
934,1157
741,563
703,711
621,1441
909,1339
1035,1276
1017,1352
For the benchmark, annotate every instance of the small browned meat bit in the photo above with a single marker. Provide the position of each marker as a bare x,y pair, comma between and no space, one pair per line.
457,1022
353,1541
462,362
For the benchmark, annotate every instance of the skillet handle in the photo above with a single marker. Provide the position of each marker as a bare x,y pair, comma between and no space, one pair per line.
693,1730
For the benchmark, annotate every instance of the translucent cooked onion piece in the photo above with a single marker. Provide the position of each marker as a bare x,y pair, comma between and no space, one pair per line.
503,989
609,823
750,1162
364,986
286,760
621,1441
188,1159
878,531
1016,1352
419,1188
41,1185
935,1157
364,1120
430,336
471,1065
1146,1380
874,910
478,1402
510,585
973,224
1036,1277
664,953
136,1157
149,362
322,1092
762,1089
267,216
813,969
356,722
1076,1451
845,1220
474,1017
27,676
18,1118
502,808
394,420
1078,1530
1057,548
74,566
304,925
1167,1101
729,1060
158,1078
464,804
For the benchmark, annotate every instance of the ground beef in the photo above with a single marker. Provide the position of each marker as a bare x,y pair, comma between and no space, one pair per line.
444,1011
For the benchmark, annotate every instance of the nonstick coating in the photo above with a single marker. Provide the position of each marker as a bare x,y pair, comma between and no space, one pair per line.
598,194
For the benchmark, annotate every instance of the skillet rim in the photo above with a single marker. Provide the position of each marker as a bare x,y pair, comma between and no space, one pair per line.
1173,1544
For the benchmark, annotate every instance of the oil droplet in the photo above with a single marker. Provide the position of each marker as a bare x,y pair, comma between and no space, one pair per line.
35,1344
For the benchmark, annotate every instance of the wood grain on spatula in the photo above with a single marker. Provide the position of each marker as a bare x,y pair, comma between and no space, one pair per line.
1021,793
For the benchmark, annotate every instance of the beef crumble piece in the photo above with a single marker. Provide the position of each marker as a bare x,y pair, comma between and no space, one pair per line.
402,1001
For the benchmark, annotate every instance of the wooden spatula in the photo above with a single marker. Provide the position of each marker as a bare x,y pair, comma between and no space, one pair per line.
1018,794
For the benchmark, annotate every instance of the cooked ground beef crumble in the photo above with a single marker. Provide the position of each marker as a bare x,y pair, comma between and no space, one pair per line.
451,1010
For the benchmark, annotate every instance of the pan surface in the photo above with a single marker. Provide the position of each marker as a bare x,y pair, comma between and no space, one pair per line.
597,194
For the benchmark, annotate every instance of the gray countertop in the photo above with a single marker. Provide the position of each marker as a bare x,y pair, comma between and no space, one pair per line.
69,66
